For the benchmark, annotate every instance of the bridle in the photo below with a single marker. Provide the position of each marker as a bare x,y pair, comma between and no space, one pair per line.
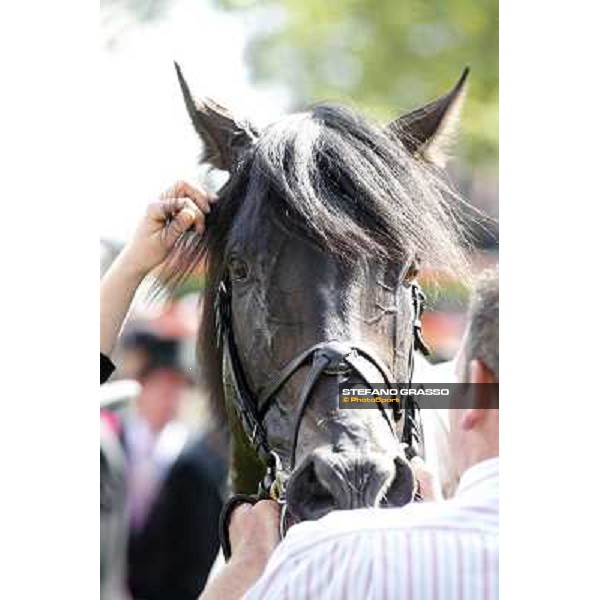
326,358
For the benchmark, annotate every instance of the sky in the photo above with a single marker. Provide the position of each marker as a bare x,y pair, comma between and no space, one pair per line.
147,141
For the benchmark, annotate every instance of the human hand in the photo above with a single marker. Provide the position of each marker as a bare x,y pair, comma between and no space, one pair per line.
179,209
429,484
254,531
254,534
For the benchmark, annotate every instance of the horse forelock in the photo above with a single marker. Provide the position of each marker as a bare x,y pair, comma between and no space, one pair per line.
344,183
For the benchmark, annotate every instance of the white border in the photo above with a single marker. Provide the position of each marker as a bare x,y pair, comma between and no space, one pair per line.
549,200
548,207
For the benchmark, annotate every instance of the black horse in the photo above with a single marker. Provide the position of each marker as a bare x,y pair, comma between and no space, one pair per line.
312,253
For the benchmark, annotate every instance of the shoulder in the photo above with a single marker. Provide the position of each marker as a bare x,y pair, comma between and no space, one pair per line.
446,515
372,529
401,543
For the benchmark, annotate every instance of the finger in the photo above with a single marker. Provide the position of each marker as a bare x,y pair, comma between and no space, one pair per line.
240,512
417,462
268,511
428,482
200,197
178,225
164,209
184,221
189,208
267,508
171,208
421,470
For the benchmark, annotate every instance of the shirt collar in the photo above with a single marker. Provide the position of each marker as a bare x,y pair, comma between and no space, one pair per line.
479,474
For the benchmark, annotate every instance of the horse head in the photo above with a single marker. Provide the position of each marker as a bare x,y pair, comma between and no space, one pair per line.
313,249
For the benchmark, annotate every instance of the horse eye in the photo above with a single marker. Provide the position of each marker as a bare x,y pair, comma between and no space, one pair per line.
412,272
238,269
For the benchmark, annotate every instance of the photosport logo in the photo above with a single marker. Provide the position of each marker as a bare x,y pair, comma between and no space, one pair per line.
425,395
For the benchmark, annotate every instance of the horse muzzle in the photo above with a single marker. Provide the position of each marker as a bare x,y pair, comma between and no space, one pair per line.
329,480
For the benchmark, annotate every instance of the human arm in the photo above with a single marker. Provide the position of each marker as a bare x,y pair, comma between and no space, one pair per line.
254,535
179,209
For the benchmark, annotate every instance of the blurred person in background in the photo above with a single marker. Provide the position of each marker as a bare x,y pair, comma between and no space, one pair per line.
175,479
113,515
172,481
116,398
152,435
150,430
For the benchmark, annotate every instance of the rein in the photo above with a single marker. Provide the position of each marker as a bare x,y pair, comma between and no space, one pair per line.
326,358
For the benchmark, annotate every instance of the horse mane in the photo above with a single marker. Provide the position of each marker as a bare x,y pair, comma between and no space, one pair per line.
348,185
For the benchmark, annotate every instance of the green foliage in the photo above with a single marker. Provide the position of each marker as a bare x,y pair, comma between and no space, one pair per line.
382,56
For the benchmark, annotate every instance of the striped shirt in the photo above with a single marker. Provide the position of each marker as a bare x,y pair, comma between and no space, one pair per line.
444,550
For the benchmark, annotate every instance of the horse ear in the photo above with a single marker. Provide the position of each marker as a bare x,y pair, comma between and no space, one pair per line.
428,131
224,137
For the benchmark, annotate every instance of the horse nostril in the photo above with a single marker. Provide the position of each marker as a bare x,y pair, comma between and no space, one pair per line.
322,498
308,497
402,488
